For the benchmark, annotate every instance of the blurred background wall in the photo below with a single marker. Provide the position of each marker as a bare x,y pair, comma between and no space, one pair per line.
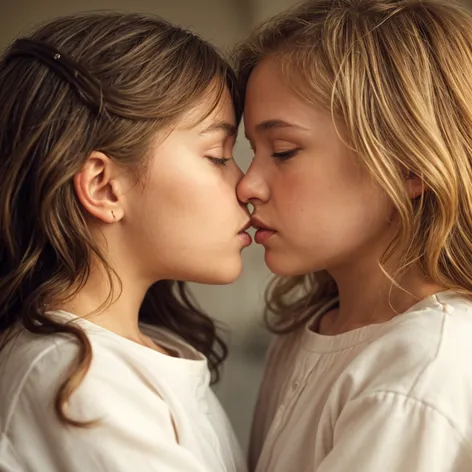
239,306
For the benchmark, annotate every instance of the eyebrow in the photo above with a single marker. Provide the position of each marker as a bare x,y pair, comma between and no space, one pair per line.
228,128
272,124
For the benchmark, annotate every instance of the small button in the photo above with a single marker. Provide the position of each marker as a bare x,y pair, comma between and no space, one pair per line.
448,309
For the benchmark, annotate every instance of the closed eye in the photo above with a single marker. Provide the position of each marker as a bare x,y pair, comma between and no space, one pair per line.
219,161
284,155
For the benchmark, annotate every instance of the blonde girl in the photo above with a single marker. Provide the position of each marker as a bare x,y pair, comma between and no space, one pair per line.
359,113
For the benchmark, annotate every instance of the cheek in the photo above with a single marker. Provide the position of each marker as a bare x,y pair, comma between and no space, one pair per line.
160,206
296,196
193,205
325,207
181,181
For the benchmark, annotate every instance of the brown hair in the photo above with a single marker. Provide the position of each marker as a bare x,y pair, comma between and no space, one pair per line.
396,75
104,82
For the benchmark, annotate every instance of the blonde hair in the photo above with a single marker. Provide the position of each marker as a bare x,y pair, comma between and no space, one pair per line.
397,75
106,82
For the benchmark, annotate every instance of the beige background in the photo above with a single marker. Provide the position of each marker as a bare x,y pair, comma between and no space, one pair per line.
239,306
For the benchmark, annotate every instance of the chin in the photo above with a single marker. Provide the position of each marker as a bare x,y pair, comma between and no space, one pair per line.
285,266
223,274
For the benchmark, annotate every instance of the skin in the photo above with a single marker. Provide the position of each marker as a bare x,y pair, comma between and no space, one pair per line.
182,221
323,209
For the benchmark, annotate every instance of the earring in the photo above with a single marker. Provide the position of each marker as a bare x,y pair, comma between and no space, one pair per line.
112,214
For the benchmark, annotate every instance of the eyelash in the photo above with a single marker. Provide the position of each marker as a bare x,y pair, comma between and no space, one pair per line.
285,155
219,161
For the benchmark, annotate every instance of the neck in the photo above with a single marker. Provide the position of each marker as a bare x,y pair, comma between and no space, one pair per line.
121,314
367,296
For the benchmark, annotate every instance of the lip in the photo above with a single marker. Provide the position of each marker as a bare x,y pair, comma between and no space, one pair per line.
244,236
246,226
258,224
263,233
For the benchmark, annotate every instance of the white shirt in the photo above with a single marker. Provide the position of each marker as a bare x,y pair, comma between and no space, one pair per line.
390,397
133,390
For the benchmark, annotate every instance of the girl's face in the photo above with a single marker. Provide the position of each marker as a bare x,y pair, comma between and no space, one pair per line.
322,209
185,222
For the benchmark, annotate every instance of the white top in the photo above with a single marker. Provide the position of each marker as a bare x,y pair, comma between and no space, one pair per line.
133,390
390,397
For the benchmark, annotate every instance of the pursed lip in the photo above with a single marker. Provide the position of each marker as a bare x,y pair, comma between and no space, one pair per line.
258,224
245,227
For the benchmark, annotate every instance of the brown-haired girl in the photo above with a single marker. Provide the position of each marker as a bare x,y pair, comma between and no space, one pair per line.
116,137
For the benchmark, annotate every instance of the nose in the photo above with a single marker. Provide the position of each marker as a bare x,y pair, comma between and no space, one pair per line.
253,188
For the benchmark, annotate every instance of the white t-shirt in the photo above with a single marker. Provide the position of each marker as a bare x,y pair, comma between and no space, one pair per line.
135,392
389,397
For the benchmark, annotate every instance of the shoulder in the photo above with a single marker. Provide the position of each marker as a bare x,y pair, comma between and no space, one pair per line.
27,357
435,338
133,424
424,357
32,369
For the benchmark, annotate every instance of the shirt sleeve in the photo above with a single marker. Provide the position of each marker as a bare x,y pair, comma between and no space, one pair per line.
128,436
390,432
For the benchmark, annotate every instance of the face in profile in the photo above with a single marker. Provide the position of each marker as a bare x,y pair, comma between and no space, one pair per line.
315,205
186,222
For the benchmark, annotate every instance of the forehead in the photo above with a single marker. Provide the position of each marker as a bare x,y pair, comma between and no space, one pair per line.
265,89
269,97
208,110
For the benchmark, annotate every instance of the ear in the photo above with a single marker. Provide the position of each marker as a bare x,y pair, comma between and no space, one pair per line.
98,188
414,186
